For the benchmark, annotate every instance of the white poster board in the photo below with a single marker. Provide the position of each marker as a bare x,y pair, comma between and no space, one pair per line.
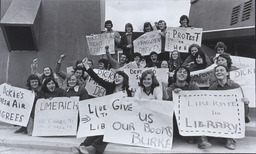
148,42
15,104
146,123
242,62
93,88
245,77
180,38
93,112
97,42
135,74
203,78
56,117
217,113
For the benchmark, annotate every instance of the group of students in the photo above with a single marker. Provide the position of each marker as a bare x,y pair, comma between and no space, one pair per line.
49,83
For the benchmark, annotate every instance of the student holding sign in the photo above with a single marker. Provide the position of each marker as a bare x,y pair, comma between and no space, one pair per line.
50,88
95,144
199,62
193,49
224,83
181,81
127,41
147,27
117,36
224,59
34,84
149,87
71,85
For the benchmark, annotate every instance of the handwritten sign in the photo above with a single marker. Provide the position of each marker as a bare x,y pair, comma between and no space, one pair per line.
148,42
135,74
210,113
15,104
146,123
132,65
242,62
202,78
93,88
70,70
180,38
56,117
245,77
97,42
92,113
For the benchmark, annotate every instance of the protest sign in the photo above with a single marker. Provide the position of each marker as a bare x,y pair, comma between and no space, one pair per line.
180,38
15,104
132,64
203,78
146,123
56,117
70,70
242,62
97,42
148,42
135,74
245,77
92,113
217,113
93,88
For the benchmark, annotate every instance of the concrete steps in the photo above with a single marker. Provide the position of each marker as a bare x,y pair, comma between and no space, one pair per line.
65,144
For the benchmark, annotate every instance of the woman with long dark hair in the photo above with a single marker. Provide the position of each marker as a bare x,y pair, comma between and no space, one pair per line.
95,144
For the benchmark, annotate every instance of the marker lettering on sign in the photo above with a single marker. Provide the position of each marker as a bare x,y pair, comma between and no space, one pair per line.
12,93
118,125
146,117
97,126
70,105
117,105
154,141
211,124
99,111
244,72
11,116
163,130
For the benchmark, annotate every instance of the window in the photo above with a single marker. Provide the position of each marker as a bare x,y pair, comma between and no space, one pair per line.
235,15
247,10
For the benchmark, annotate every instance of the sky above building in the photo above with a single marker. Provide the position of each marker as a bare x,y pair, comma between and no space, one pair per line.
137,12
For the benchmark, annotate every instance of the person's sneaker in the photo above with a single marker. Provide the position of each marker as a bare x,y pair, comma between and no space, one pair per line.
22,129
230,143
203,143
87,149
247,119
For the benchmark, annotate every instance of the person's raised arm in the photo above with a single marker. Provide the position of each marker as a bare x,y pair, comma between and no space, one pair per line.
113,62
94,76
58,71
